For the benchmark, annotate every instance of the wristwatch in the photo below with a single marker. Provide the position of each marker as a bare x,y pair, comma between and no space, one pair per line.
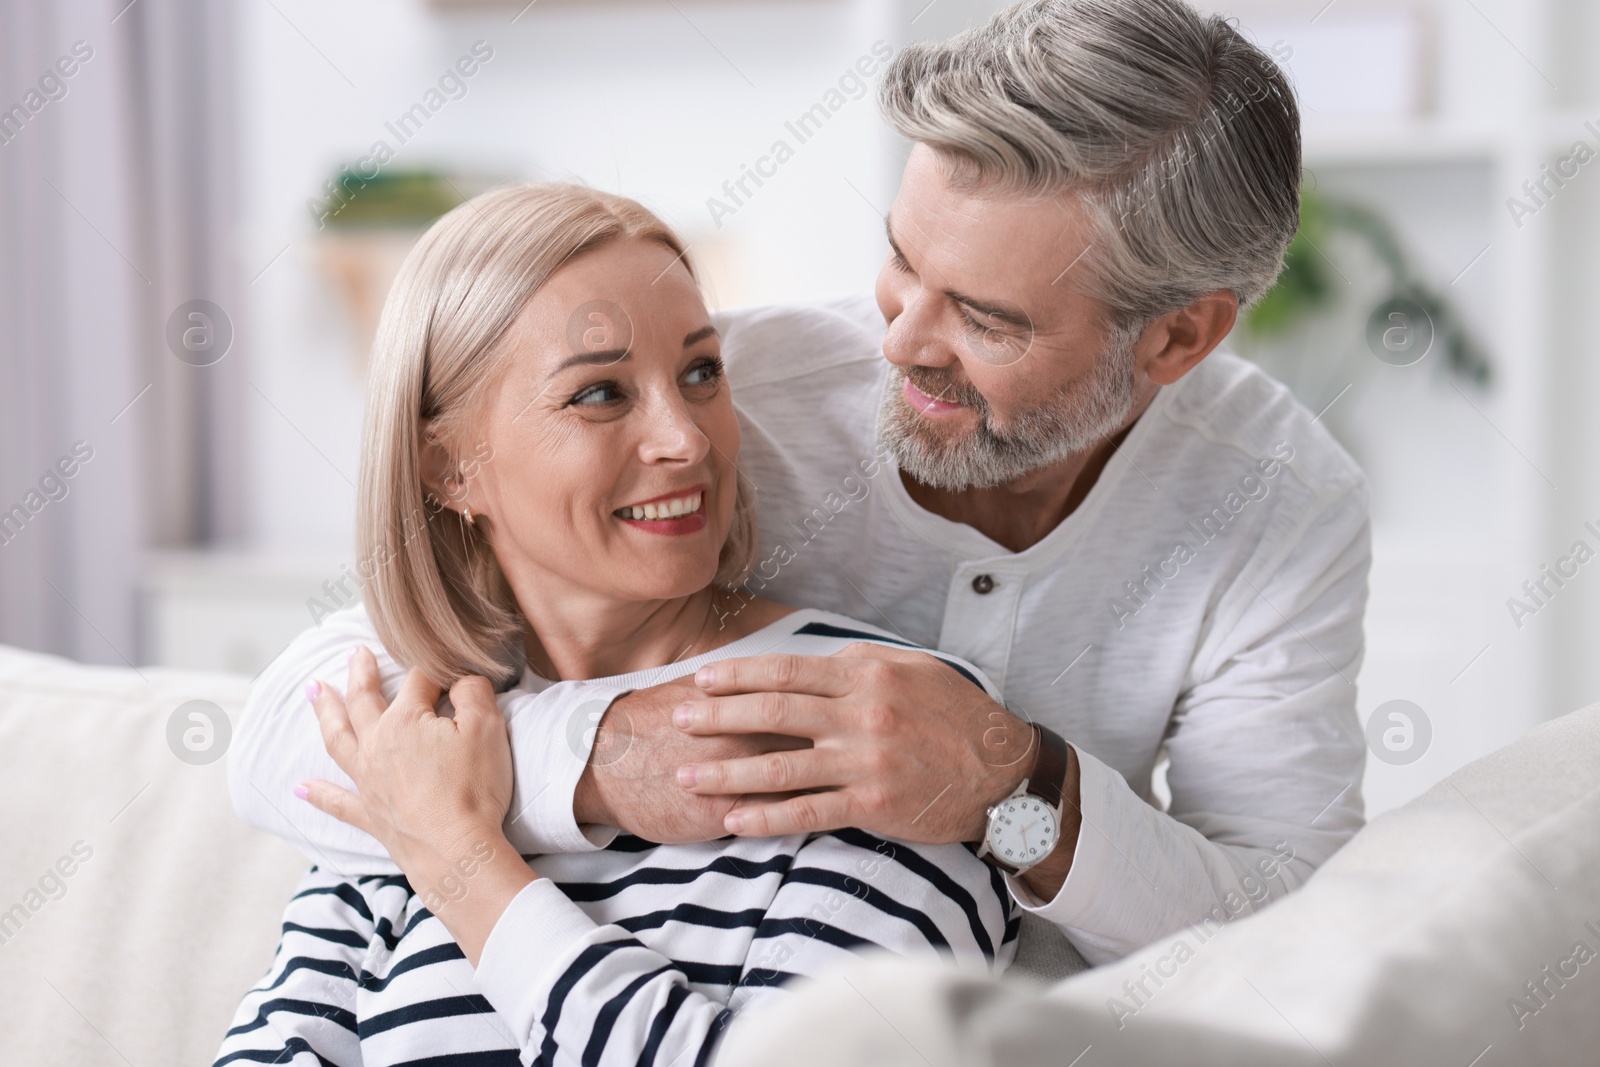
1025,826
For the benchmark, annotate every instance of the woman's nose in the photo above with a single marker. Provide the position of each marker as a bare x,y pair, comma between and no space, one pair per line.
671,434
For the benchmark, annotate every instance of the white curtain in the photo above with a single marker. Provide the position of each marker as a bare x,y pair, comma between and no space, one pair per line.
116,186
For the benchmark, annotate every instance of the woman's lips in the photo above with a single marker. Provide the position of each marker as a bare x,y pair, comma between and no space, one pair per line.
927,404
693,522
654,517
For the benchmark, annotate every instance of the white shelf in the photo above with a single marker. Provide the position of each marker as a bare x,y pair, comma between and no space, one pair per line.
234,611
1347,143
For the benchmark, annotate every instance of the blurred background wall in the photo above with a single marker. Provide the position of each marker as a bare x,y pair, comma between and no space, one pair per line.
222,160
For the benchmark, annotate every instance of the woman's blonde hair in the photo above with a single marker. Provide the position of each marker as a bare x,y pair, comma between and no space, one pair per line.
433,589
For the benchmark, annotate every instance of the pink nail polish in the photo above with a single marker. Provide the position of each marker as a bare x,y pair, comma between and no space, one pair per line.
313,690
302,792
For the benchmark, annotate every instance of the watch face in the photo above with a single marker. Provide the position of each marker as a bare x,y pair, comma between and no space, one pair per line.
1022,830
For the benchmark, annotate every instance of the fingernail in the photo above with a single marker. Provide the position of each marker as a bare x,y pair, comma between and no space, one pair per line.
704,677
352,654
734,823
313,689
683,716
687,777
302,792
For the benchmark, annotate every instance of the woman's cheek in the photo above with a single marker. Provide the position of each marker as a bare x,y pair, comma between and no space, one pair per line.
722,429
726,451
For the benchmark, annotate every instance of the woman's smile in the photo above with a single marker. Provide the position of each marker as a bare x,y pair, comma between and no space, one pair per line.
679,512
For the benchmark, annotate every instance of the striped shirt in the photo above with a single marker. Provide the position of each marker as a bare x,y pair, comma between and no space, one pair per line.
636,953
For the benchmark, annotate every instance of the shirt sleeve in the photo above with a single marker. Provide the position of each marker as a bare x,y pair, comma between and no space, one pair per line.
304,1011
574,991
1266,754
278,745
552,736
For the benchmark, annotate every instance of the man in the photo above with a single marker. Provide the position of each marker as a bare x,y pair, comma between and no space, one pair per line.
1148,550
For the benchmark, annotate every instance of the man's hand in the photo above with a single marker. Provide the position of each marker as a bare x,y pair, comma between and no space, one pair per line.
632,777
902,745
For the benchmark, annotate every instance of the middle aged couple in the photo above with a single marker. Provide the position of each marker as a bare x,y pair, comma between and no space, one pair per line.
585,500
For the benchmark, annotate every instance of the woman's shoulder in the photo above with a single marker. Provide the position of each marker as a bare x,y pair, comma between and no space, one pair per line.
801,632
814,632
806,631
816,624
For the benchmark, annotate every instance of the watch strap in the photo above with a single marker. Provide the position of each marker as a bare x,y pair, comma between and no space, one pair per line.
1050,767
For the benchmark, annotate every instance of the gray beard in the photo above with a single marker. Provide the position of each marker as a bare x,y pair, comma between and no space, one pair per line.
1081,415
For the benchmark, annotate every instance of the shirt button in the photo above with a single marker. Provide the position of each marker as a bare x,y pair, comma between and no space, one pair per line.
983,583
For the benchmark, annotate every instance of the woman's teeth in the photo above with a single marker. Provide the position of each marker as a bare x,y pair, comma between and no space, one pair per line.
663,509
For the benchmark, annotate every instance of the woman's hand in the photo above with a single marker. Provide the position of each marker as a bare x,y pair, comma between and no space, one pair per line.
434,791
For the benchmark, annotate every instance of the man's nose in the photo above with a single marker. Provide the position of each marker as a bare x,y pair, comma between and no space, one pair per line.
915,336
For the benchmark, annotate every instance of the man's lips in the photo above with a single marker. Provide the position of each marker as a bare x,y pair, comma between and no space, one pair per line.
926,404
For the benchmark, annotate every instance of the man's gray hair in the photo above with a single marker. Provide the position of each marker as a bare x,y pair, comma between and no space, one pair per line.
1181,138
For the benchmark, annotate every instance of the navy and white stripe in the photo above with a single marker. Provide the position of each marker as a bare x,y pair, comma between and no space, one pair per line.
633,954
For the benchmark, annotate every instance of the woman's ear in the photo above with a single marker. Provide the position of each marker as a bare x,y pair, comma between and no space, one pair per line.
442,486
1188,335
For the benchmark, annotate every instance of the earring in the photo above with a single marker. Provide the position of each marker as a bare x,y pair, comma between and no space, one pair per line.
467,513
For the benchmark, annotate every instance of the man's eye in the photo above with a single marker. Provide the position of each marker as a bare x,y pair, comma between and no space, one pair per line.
973,324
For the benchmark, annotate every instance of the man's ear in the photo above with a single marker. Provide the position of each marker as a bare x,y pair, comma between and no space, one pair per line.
1182,338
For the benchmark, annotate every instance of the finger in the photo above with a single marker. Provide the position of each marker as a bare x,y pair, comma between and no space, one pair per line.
418,695
363,695
771,772
821,676
863,653
808,813
472,696
873,650
339,736
757,713
342,804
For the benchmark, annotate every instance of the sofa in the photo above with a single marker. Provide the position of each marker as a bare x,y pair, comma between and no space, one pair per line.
135,910
1461,930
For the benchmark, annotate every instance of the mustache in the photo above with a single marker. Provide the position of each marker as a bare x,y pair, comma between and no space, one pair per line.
942,384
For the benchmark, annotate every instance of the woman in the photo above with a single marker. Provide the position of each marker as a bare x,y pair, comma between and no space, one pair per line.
549,494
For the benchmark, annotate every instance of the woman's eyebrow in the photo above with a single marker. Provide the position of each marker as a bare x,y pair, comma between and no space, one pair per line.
605,357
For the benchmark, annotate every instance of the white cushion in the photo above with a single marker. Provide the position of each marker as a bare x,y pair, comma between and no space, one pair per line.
141,954
1412,945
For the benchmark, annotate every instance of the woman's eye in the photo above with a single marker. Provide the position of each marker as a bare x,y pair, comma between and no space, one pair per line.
705,372
596,395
